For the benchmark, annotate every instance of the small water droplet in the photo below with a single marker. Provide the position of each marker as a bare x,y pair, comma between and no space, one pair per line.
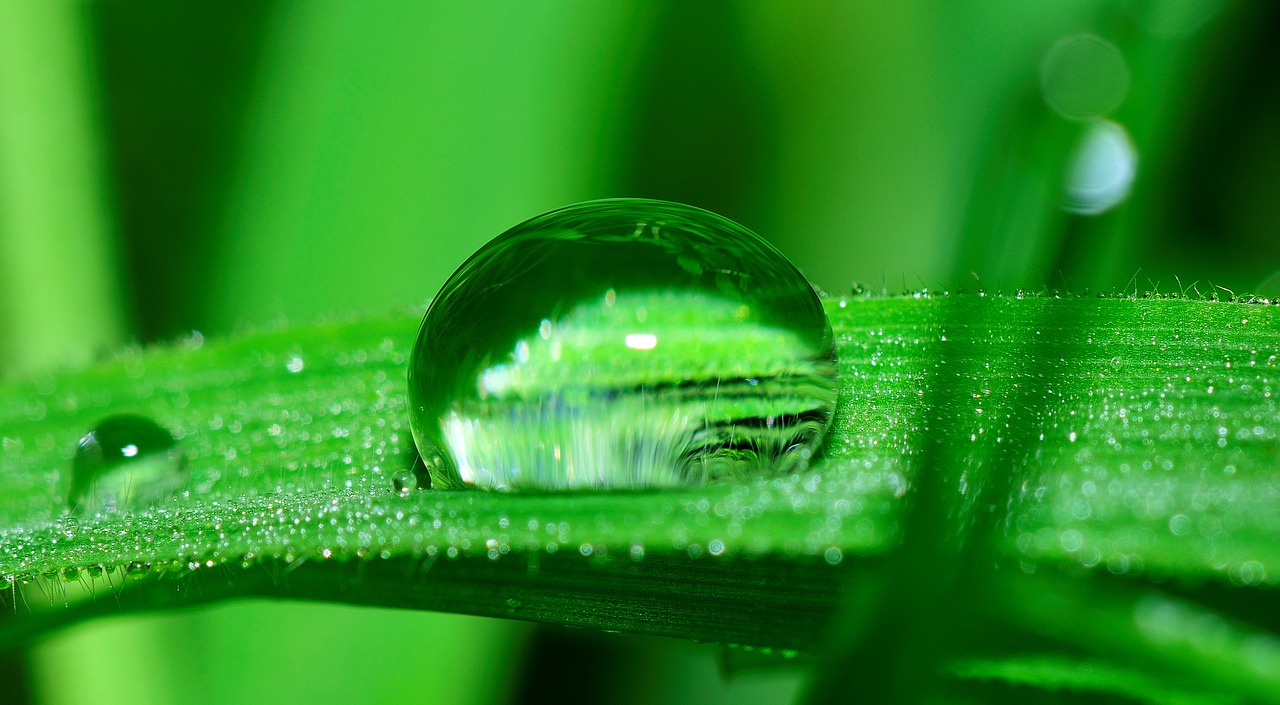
621,343
125,463
404,483
69,525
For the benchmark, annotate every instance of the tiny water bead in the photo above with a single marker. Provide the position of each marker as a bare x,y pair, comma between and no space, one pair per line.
621,343
403,483
125,463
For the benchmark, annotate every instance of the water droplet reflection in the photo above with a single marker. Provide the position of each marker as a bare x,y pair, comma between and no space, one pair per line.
125,463
621,343
404,483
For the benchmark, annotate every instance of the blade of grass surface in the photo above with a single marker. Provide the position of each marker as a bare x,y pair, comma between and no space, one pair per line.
292,436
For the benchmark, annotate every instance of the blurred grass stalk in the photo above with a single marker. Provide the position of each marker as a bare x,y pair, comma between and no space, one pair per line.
384,142
1015,227
60,298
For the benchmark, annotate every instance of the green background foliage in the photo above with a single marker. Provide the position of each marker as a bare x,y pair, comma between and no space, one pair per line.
166,168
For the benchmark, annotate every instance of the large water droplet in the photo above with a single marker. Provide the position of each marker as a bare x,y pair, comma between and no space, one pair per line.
621,343
125,463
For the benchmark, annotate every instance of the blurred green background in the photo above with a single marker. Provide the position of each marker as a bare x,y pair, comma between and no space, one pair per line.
170,167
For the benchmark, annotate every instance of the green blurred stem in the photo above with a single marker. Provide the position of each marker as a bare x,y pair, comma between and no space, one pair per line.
60,298
1134,624
59,293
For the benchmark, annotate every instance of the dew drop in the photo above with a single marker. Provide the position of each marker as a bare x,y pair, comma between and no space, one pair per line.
404,483
125,463
833,555
69,525
621,343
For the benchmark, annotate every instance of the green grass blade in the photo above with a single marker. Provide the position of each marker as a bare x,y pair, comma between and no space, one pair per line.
292,436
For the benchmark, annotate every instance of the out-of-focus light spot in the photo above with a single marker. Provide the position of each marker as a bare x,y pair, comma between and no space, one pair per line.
1101,171
1174,18
642,341
1083,77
